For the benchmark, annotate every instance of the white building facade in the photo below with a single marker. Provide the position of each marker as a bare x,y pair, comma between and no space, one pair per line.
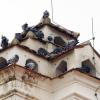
50,65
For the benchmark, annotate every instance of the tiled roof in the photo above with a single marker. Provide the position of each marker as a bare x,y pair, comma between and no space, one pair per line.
59,28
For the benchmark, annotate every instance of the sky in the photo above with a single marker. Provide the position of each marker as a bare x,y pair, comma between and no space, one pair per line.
75,15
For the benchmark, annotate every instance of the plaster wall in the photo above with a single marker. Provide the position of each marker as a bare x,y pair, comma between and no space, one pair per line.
82,54
35,45
44,66
77,86
74,58
49,31
68,57
72,86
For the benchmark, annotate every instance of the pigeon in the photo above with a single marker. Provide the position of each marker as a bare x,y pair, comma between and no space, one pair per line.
3,62
46,14
59,41
85,69
50,38
13,60
25,27
4,42
18,36
40,34
30,64
42,52
57,50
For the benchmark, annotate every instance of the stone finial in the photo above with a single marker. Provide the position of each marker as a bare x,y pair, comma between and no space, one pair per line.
15,41
46,14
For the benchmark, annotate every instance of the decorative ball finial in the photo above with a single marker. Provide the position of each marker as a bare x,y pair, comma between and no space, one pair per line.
46,14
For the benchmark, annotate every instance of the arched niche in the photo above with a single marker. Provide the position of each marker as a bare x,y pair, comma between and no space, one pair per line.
61,68
88,67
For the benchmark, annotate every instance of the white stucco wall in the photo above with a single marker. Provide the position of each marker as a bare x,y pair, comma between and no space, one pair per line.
72,86
73,58
44,66
68,57
82,54
35,45
48,31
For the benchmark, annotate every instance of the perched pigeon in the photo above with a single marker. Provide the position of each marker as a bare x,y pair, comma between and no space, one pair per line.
4,42
3,62
50,38
46,14
25,27
31,64
85,69
33,29
18,36
13,60
40,34
57,50
42,52
72,43
59,41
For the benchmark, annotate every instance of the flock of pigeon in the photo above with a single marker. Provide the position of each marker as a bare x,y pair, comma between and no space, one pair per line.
29,62
4,62
32,65
61,47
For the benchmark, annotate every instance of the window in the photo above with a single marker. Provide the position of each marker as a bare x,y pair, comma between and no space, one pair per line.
62,68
